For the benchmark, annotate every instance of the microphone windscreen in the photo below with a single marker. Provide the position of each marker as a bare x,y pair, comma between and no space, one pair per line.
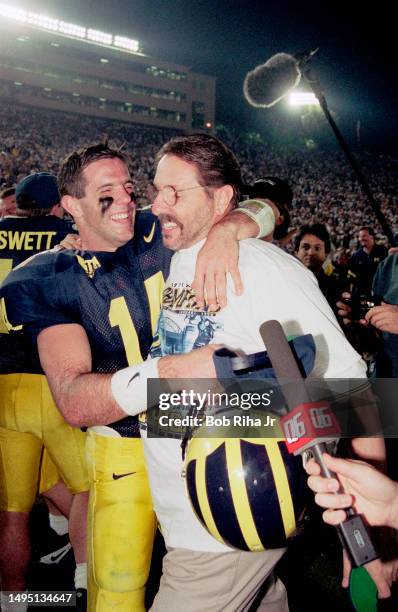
284,364
270,82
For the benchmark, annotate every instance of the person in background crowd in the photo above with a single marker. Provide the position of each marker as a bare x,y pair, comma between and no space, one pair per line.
278,193
380,325
363,263
36,223
7,202
311,247
384,317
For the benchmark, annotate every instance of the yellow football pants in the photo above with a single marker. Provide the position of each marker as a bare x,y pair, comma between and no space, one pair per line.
121,524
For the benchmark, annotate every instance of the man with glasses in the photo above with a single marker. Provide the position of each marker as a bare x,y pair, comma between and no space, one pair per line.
93,312
200,573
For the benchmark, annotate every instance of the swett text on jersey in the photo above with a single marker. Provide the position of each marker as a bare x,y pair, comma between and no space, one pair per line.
114,296
22,237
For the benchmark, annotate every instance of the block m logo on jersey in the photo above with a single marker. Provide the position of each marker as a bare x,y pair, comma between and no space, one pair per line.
89,265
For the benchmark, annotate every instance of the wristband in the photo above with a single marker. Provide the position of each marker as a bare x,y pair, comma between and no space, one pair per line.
261,212
129,386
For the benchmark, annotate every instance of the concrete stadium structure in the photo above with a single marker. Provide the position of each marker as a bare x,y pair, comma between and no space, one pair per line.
51,64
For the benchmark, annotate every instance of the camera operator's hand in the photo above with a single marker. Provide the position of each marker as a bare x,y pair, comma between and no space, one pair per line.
384,318
344,309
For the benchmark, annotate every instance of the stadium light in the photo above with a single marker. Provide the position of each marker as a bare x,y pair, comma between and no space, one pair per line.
303,98
101,37
71,30
13,13
43,22
126,43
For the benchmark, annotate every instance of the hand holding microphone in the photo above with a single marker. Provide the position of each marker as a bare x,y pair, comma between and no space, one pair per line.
374,494
315,425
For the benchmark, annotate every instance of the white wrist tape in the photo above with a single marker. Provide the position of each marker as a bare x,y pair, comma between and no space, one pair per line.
129,386
261,212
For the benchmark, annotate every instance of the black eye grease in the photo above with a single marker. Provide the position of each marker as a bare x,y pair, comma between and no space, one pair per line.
105,203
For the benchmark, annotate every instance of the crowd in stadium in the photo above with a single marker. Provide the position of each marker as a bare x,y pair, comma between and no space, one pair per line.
68,298
324,187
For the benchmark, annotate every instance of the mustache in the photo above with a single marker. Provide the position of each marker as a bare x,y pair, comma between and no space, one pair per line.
169,219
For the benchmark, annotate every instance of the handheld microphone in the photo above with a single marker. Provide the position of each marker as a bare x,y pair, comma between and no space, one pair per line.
309,419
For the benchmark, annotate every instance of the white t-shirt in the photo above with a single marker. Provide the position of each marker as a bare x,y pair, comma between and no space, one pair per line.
276,286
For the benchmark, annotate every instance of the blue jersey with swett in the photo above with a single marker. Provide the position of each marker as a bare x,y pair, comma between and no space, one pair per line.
20,238
115,297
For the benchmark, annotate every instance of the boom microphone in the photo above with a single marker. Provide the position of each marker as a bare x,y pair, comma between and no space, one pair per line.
307,419
270,82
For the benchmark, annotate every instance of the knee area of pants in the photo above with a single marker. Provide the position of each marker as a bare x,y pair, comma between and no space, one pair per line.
102,600
123,582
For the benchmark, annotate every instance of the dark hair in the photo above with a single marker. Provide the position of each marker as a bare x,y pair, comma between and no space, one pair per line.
316,229
7,192
366,228
70,176
34,212
216,164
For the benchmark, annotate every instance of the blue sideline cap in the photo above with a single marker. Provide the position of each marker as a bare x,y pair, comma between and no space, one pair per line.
39,190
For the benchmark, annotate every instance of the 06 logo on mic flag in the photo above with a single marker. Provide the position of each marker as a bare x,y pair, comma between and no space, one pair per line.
308,422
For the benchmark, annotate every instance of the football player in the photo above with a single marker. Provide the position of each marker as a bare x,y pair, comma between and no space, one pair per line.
29,419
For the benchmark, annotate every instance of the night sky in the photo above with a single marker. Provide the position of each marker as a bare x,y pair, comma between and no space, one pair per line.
356,63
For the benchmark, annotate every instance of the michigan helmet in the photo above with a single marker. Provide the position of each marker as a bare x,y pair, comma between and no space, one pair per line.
249,493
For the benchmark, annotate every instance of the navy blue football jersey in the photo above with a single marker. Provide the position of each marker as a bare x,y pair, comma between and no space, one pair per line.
114,296
20,238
